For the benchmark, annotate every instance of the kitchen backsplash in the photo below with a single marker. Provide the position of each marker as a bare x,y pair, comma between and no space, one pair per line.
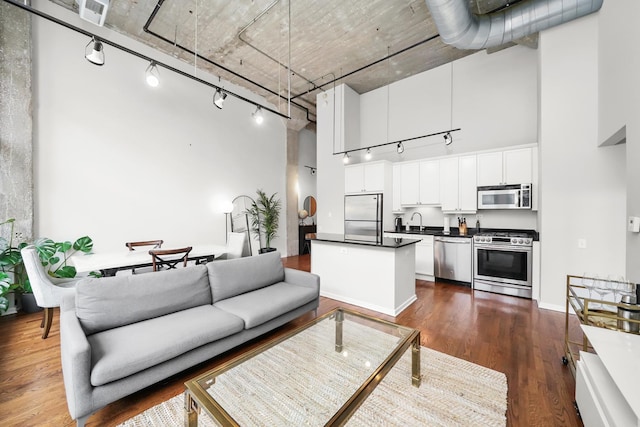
433,217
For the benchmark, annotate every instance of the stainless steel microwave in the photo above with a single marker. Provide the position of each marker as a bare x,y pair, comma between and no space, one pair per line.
516,196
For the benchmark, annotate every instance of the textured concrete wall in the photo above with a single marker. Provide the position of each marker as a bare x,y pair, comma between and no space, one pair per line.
16,160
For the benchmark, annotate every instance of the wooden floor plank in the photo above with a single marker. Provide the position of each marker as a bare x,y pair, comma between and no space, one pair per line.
508,334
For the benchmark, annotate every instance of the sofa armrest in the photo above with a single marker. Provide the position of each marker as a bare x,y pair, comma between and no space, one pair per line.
68,302
302,278
75,353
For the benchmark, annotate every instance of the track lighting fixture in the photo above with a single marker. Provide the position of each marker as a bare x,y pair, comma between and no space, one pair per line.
448,139
313,171
152,75
257,116
219,97
95,55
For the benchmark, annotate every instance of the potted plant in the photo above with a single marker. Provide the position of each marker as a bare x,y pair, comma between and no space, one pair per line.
265,219
54,257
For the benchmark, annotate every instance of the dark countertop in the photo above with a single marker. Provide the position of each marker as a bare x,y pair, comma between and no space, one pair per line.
387,242
439,231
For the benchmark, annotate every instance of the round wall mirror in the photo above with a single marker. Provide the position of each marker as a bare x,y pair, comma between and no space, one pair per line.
309,205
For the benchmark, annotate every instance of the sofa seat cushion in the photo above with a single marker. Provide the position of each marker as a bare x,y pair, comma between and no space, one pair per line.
262,305
120,352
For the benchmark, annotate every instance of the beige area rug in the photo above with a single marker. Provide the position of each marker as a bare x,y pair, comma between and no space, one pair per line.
454,392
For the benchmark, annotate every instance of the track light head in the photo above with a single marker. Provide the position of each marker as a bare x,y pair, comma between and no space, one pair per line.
95,54
313,171
219,97
400,148
258,116
345,159
152,75
448,139
368,155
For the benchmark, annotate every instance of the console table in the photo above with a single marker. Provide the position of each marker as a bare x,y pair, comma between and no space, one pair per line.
302,231
607,392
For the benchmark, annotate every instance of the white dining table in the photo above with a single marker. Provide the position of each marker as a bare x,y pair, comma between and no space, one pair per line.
108,263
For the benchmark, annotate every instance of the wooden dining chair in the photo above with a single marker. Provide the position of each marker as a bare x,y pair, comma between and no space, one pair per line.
168,259
155,243
132,247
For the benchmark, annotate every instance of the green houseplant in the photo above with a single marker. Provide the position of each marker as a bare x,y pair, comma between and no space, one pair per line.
265,218
53,255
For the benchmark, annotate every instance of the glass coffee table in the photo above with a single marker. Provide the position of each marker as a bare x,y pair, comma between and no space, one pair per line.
319,374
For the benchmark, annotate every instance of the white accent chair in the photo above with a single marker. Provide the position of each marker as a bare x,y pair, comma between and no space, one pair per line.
235,245
47,294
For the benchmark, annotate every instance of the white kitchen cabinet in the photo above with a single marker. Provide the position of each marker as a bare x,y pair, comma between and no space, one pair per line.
505,167
397,188
430,182
458,184
424,253
364,178
410,179
420,183
424,256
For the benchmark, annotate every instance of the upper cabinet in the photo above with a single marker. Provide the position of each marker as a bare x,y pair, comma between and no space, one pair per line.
366,177
420,183
505,167
458,184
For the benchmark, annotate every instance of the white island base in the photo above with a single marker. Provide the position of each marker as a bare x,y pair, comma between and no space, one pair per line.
375,277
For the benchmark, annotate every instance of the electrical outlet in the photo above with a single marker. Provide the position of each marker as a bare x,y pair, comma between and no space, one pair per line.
18,236
582,243
478,217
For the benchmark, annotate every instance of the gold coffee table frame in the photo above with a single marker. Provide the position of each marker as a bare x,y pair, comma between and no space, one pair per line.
197,397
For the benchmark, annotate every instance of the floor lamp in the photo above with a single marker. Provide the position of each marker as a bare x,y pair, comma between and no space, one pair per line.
227,209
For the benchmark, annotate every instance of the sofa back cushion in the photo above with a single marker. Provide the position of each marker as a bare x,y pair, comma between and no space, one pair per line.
110,302
233,277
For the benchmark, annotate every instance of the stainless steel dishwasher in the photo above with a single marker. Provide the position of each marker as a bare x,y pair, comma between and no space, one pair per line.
453,258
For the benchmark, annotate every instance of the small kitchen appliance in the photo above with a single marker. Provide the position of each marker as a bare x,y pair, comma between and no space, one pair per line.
399,224
516,196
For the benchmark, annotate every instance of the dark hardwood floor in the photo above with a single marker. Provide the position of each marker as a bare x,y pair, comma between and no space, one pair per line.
508,334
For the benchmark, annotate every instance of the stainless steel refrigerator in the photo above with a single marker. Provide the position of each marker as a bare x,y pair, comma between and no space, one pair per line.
363,217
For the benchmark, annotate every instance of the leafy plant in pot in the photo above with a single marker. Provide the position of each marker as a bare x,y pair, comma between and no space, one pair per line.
265,219
54,257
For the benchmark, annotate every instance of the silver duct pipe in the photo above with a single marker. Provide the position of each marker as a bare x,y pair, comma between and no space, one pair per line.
459,27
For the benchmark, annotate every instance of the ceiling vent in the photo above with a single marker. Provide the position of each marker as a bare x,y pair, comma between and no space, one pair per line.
94,11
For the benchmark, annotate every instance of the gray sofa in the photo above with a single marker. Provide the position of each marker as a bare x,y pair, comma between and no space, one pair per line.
122,334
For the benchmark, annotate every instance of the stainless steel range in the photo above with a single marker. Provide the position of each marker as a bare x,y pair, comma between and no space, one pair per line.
503,263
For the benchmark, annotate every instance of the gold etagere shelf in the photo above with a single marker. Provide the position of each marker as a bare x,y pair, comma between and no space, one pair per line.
599,312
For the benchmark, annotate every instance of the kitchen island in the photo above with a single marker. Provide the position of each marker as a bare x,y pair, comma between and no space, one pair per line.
379,276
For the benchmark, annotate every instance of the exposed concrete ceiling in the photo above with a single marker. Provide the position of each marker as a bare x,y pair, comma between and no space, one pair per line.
365,44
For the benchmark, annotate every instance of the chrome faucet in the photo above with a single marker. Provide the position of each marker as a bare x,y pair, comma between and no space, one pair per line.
417,213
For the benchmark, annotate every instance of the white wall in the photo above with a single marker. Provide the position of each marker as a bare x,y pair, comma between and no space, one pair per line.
330,176
619,93
120,161
582,186
495,102
491,98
